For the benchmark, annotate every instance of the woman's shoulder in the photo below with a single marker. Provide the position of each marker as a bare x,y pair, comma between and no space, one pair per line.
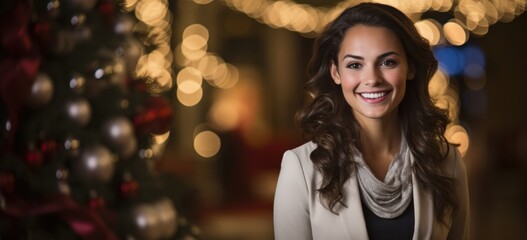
301,155
453,164
304,151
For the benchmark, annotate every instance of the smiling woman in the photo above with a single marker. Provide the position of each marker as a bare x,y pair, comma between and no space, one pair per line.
372,71
377,165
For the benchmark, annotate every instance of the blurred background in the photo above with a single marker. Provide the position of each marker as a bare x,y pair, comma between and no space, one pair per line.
156,119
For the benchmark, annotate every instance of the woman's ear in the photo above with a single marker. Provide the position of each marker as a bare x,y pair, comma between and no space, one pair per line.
335,73
411,72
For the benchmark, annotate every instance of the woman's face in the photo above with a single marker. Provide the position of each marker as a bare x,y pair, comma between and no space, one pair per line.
372,69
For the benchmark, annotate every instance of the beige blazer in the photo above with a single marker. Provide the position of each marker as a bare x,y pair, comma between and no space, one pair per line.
299,213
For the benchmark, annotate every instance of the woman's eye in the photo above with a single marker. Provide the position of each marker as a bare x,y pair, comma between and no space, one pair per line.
388,63
354,65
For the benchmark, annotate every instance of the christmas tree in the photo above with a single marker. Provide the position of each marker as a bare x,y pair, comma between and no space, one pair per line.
80,128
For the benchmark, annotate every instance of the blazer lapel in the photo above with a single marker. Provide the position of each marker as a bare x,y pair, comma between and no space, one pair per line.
423,210
352,215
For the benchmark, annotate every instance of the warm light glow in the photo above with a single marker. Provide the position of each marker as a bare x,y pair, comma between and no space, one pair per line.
208,64
416,6
162,77
299,18
189,100
438,84
202,2
251,8
225,114
207,144
156,21
452,97
229,79
193,54
156,59
129,5
196,29
151,12
195,42
449,103
429,30
306,19
491,12
189,74
160,138
220,74
482,28
181,60
455,33
458,135
189,87
441,5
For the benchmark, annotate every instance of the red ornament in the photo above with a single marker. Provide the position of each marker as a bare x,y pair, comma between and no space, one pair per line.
155,116
13,29
96,203
107,10
48,148
43,33
129,188
34,158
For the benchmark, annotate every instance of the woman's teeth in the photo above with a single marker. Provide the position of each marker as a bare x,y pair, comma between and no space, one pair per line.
373,95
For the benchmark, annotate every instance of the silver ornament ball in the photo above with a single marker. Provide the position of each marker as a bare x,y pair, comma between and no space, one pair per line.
118,132
79,111
95,163
41,91
146,222
167,217
124,24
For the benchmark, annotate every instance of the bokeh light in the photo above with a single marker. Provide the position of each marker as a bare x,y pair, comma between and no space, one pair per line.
450,59
207,144
475,16
189,99
438,84
189,80
224,114
202,2
160,138
455,33
458,135
429,29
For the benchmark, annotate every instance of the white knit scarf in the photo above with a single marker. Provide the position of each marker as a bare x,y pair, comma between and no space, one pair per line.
390,198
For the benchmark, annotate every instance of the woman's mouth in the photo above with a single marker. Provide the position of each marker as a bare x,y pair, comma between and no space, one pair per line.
374,97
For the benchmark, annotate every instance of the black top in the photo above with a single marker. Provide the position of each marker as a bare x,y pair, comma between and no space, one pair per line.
401,227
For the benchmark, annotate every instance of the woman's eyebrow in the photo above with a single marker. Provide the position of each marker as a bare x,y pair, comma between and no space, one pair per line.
386,54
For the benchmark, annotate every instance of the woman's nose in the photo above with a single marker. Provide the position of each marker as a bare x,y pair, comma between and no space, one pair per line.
372,76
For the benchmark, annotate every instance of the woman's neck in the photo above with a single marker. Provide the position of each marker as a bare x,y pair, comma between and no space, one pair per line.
380,137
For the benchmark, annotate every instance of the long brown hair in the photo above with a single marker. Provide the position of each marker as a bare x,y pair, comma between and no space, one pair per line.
327,119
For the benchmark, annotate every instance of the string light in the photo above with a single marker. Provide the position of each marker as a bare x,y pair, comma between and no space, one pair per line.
429,29
156,20
477,16
455,33
199,64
